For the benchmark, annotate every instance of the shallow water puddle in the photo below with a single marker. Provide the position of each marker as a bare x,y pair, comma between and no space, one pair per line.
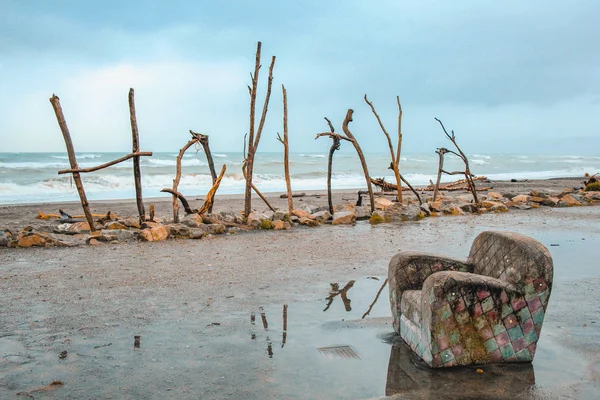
317,349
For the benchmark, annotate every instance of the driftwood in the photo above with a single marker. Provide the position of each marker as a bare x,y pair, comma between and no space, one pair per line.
461,155
394,165
286,151
137,175
450,187
203,140
174,192
440,152
254,137
361,156
256,189
335,145
41,215
108,164
390,187
55,101
285,195
184,202
208,202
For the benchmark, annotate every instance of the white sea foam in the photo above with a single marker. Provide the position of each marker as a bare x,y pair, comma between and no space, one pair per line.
219,155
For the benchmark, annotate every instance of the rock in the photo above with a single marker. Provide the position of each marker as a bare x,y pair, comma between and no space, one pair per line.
522,198
115,225
436,206
465,198
509,196
130,222
494,195
592,195
308,221
94,242
468,208
453,209
322,216
280,214
155,233
228,217
535,193
265,224
320,208
425,208
550,201
121,235
376,219
301,213
197,233
344,218
363,212
499,208
254,219
569,201
214,229
401,212
536,199
5,238
33,239
72,229
279,225
268,215
101,237
489,204
180,231
522,207
381,203
193,220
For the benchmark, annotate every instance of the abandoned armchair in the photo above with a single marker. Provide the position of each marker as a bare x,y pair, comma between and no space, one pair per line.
488,309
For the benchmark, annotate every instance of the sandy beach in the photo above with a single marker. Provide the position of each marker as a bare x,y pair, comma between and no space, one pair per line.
72,315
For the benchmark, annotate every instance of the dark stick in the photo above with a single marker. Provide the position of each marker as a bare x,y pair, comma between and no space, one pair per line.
285,315
184,202
62,123
203,139
137,174
376,298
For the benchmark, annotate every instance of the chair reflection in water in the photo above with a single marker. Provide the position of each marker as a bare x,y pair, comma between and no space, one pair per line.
488,309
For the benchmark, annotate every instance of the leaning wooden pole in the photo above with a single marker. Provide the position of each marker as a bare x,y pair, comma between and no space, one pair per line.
286,152
440,152
361,156
62,123
137,174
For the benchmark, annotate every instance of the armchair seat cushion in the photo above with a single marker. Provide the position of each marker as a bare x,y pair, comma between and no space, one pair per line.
411,306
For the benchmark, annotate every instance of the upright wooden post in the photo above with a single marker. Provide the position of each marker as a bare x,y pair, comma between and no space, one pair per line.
286,152
136,160
440,153
55,101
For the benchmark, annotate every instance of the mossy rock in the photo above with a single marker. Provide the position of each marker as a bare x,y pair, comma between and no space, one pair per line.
266,224
593,187
376,219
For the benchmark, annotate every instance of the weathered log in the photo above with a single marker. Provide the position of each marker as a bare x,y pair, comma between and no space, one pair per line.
286,152
137,174
441,151
62,123
41,215
203,140
256,190
361,156
211,193
178,177
184,202
285,195
108,164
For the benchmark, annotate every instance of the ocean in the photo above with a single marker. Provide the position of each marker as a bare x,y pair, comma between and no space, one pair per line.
33,178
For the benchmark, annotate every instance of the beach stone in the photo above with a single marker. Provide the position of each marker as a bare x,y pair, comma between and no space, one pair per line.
268,215
509,196
130,222
320,208
592,195
5,238
494,195
537,199
228,217
425,208
452,209
155,233
197,233
344,218
402,212
535,193
114,225
33,239
214,229
322,216
280,214
381,203
468,208
193,220
121,235
306,207
550,201
279,225
180,231
301,213
94,242
363,212
499,208
522,206
254,219
101,237
464,198
436,205
522,198
72,229
308,221
569,201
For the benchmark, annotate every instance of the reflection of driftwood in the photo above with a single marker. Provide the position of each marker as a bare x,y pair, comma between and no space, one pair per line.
55,101
335,290
286,152
335,145
462,156
376,298
254,137
361,156
394,165
285,315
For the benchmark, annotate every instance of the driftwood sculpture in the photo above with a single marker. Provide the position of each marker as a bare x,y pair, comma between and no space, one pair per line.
463,157
76,171
254,136
286,152
394,165
335,145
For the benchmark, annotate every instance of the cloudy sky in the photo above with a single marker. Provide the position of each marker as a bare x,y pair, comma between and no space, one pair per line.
514,76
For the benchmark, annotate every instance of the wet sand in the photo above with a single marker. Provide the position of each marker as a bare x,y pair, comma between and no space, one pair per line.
190,302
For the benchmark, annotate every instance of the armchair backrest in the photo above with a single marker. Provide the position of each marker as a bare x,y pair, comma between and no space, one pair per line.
515,258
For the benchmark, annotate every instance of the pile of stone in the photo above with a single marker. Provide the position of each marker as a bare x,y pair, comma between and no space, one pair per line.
195,226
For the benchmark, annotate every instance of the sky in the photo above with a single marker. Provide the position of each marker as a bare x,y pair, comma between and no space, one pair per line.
516,77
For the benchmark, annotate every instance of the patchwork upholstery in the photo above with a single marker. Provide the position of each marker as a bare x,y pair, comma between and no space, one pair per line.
488,309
